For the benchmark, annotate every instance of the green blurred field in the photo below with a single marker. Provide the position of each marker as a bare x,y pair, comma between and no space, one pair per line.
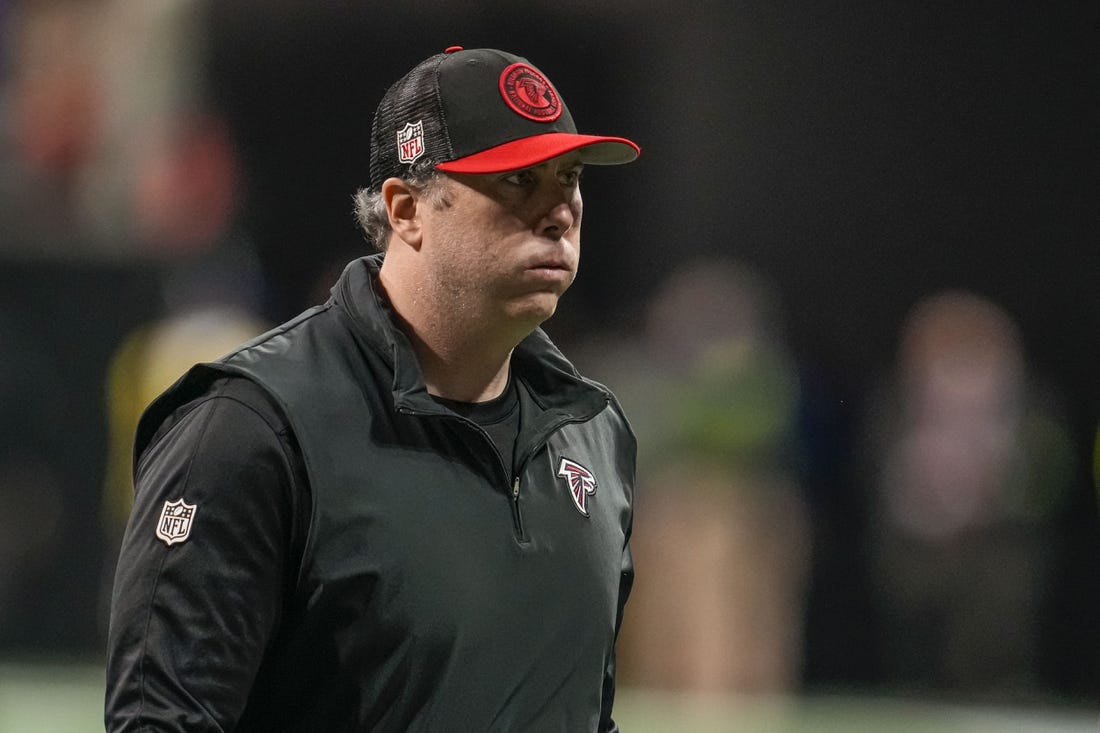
69,699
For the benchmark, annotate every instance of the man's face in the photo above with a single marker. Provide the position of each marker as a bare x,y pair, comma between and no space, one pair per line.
503,247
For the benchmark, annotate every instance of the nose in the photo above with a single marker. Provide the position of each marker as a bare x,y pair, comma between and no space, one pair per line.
561,211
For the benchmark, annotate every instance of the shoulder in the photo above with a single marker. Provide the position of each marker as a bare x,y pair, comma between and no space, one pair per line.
614,412
220,397
216,422
228,444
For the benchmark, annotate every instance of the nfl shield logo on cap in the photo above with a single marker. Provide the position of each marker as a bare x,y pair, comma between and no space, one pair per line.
410,142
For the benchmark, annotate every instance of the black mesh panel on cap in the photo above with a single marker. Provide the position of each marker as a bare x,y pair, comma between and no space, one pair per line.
414,98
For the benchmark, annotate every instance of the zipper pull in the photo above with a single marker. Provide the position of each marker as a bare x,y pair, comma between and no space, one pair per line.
515,489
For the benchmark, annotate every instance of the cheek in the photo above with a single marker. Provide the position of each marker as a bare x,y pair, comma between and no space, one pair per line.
574,233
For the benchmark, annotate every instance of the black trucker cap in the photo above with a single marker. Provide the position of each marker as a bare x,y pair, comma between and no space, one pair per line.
478,111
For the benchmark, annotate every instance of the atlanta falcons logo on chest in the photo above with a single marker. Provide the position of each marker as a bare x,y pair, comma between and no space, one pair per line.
582,484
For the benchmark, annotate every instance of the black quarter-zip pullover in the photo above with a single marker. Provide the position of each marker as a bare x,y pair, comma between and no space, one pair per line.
317,544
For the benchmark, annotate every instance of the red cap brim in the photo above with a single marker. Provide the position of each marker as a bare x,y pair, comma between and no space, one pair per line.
529,151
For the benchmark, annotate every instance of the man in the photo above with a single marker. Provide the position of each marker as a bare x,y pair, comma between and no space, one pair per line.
404,509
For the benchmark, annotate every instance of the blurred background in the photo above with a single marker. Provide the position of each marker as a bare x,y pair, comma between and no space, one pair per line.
848,296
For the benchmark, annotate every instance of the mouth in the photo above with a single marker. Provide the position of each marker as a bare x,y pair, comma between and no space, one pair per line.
550,271
550,264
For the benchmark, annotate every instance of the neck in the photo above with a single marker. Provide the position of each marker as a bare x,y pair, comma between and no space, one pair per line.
460,359
459,369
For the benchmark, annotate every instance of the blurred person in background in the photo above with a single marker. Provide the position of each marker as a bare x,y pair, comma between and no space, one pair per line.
971,464
723,529
50,114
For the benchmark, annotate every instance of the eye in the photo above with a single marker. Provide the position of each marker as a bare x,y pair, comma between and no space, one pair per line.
520,178
571,177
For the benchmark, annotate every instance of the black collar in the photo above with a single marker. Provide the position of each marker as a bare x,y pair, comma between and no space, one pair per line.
552,381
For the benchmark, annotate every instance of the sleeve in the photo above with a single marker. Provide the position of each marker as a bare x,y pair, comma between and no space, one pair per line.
626,582
203,568
629,459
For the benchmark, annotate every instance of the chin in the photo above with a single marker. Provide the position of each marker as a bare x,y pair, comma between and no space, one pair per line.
534,309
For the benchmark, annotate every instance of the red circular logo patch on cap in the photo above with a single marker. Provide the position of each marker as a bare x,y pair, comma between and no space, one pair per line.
529,93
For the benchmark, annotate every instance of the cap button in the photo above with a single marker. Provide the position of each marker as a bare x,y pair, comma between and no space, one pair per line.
452,49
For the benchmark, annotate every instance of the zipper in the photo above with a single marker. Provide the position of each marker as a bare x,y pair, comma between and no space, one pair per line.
517,518
513,500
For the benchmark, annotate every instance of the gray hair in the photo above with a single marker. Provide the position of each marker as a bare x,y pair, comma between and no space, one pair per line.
370,207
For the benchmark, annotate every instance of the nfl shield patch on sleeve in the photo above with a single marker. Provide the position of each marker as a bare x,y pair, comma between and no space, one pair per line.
175,521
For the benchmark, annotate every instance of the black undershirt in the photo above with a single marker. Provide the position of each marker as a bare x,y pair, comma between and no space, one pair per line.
499,417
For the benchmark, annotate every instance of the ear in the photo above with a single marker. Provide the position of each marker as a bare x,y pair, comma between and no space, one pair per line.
402,206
